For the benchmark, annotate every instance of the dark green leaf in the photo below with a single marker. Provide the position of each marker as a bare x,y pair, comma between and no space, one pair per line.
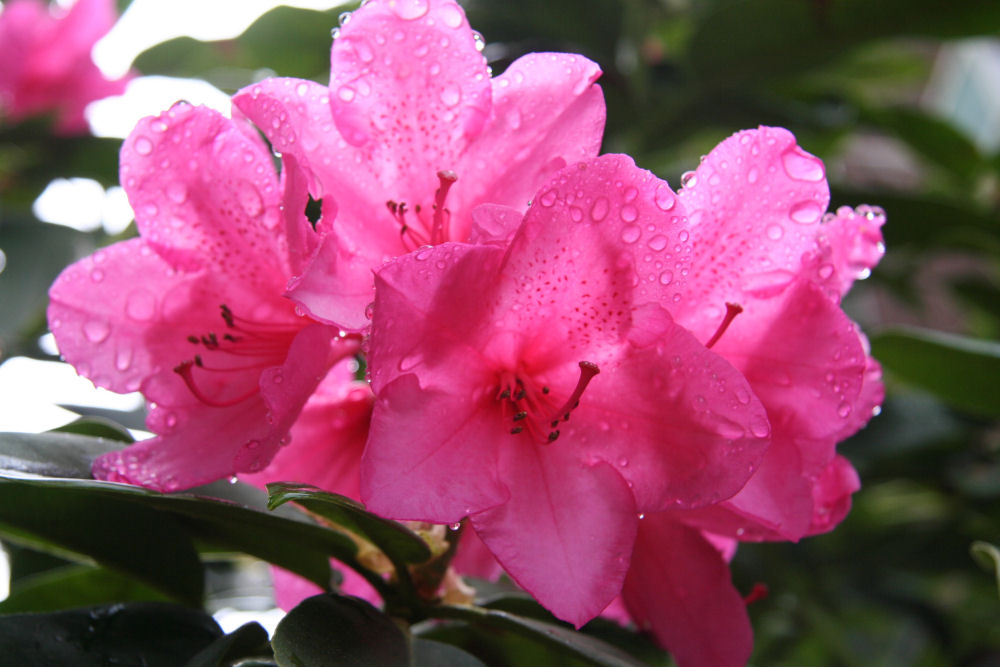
989,557
556,639
399,544
53,454
960,371
427,653
142,633
98,427
338,630
247,641
70,519
75,586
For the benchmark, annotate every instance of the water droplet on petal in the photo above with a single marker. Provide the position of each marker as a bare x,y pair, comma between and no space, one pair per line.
143,146
658,242
478,40
631,233
141,305
548,198
806,212
753,175
408,10
689,179
666,277
123,358
96,331
97,275
345,93
177,192
801,166
599,210
455,526
451,95
629,213
250,199
575,213
664,198
451,16
775,232
844,410
759,427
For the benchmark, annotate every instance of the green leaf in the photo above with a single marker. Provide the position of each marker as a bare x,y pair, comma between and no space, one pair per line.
98,427
247,641
555,639
960,371
142,633
53,454
75,586
71,520
400,544
122,526
987,555
428,653
338,630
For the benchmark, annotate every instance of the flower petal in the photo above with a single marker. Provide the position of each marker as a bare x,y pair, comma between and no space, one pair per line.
566,532
679,588
754,208
205,194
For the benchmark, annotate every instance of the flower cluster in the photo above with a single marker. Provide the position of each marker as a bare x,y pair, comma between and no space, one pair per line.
47,65
610,381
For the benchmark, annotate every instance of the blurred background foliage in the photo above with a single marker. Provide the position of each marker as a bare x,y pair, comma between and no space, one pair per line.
901,99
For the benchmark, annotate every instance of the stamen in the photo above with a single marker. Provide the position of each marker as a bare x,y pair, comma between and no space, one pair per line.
442,216
588,370
184,370
758,592
732,310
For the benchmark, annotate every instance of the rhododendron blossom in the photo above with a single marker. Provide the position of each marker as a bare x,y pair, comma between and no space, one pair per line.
542,390
191,313
761,244
46,61
412,134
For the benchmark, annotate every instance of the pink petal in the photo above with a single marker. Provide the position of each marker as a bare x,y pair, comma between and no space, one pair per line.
803,358
441,466
676,420
205,194
565,534
547,113
754,208
679,588
474,558
302,239
290,589
199,444
409,87
327,439
832,491
851,246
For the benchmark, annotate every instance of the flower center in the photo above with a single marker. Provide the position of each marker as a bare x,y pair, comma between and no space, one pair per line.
228,369
417,227
732,310
535,411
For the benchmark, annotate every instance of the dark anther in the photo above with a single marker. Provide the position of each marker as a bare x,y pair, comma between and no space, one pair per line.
193,339
545,390
520,415
516,430
553,435
197,361
519,395
231,338
554,423
505,394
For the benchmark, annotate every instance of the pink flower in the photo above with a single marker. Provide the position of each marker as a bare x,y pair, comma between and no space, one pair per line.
542,391
191,313
761,242
410,108
46,61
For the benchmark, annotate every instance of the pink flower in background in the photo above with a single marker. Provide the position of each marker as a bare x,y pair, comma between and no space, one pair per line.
191,313
411,108
761,243
46,61
542,390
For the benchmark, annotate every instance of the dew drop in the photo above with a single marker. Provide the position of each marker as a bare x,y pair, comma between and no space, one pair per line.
844,410
455,526
408,10
177,192
775,232
825,271
408,362
250,199
759,427
631,233
623,462
345,93
689,179
143,146
478,41
666,277
806,212
96,331
97,275
664,198
801,166
233,479
575,213
451,95
629,213
599,210
123,358
548,198
141,305
658,242
753,175
451,16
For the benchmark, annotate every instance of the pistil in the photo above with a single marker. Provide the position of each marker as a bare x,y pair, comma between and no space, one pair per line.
732,310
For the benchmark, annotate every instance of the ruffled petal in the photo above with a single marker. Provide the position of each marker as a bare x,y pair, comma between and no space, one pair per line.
205,195
754,206
832,491
678,587
566,533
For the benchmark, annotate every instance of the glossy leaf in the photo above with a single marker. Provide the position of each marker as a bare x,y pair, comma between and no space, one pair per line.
247,641
989,557
962,372
339,630
53,454
75,586
142,633
98,427
400,544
